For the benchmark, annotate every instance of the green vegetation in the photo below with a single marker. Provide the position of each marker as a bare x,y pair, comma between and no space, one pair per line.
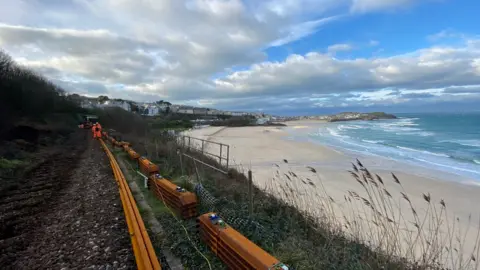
167,123
235,122
243,121
35,114
9,166
349,116
25,94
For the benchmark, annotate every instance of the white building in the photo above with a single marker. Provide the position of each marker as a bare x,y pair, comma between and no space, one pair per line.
162,107
152,110
87,104
200,111
121,104
174,108
185,110
213,112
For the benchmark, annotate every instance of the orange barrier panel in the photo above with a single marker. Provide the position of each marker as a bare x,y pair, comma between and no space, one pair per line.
132,154
234,249
124,144
147,167
180,200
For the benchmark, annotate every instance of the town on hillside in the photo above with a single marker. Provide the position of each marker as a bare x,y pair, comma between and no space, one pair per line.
201,115
161,107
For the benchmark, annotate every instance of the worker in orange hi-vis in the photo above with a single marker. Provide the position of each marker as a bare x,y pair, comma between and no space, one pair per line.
94,126
98,131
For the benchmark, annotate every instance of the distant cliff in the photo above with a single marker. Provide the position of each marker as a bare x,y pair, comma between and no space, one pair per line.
351,116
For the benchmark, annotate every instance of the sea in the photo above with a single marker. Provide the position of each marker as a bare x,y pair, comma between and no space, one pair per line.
439,142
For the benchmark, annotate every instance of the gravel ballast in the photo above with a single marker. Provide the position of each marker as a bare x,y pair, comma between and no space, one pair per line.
81,227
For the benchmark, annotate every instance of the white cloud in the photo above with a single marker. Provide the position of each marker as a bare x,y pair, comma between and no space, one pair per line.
339,48
319,73
373,43
171,49
296,32
362,6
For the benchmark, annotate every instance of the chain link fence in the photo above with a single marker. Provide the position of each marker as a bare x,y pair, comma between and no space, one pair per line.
248,226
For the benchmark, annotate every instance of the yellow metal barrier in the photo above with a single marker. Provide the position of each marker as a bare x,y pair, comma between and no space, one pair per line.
142,246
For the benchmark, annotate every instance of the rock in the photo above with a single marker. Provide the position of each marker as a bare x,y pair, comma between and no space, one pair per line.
352,116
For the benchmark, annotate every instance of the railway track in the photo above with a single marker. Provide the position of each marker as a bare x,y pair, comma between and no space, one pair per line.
64,213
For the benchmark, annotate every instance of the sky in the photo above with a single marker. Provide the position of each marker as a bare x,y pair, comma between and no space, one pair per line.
276,56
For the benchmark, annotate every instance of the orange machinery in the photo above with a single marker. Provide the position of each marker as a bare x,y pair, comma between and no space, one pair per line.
147,167
234,249
183,202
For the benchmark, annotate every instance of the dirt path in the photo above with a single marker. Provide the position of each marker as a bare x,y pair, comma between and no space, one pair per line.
66,214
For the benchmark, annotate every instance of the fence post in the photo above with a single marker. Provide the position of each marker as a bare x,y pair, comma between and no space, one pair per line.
220,158
203,145
228,155
250,194
196,172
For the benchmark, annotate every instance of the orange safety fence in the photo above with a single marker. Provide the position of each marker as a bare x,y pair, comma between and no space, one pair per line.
132,154
234,249
144,253
147,167
183,202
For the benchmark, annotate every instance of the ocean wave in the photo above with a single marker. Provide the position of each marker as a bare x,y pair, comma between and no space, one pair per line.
398,127
466,159
335,133
448,166
342,127
474,143
407,118
372,141
423,151
408,124
419,133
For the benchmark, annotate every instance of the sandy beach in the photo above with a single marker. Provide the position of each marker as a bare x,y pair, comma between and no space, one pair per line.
264,149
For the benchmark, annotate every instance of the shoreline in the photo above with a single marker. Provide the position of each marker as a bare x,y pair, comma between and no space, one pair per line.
264,149
431,170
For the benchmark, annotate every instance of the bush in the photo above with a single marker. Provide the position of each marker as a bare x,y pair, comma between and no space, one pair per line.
234,122
25,94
